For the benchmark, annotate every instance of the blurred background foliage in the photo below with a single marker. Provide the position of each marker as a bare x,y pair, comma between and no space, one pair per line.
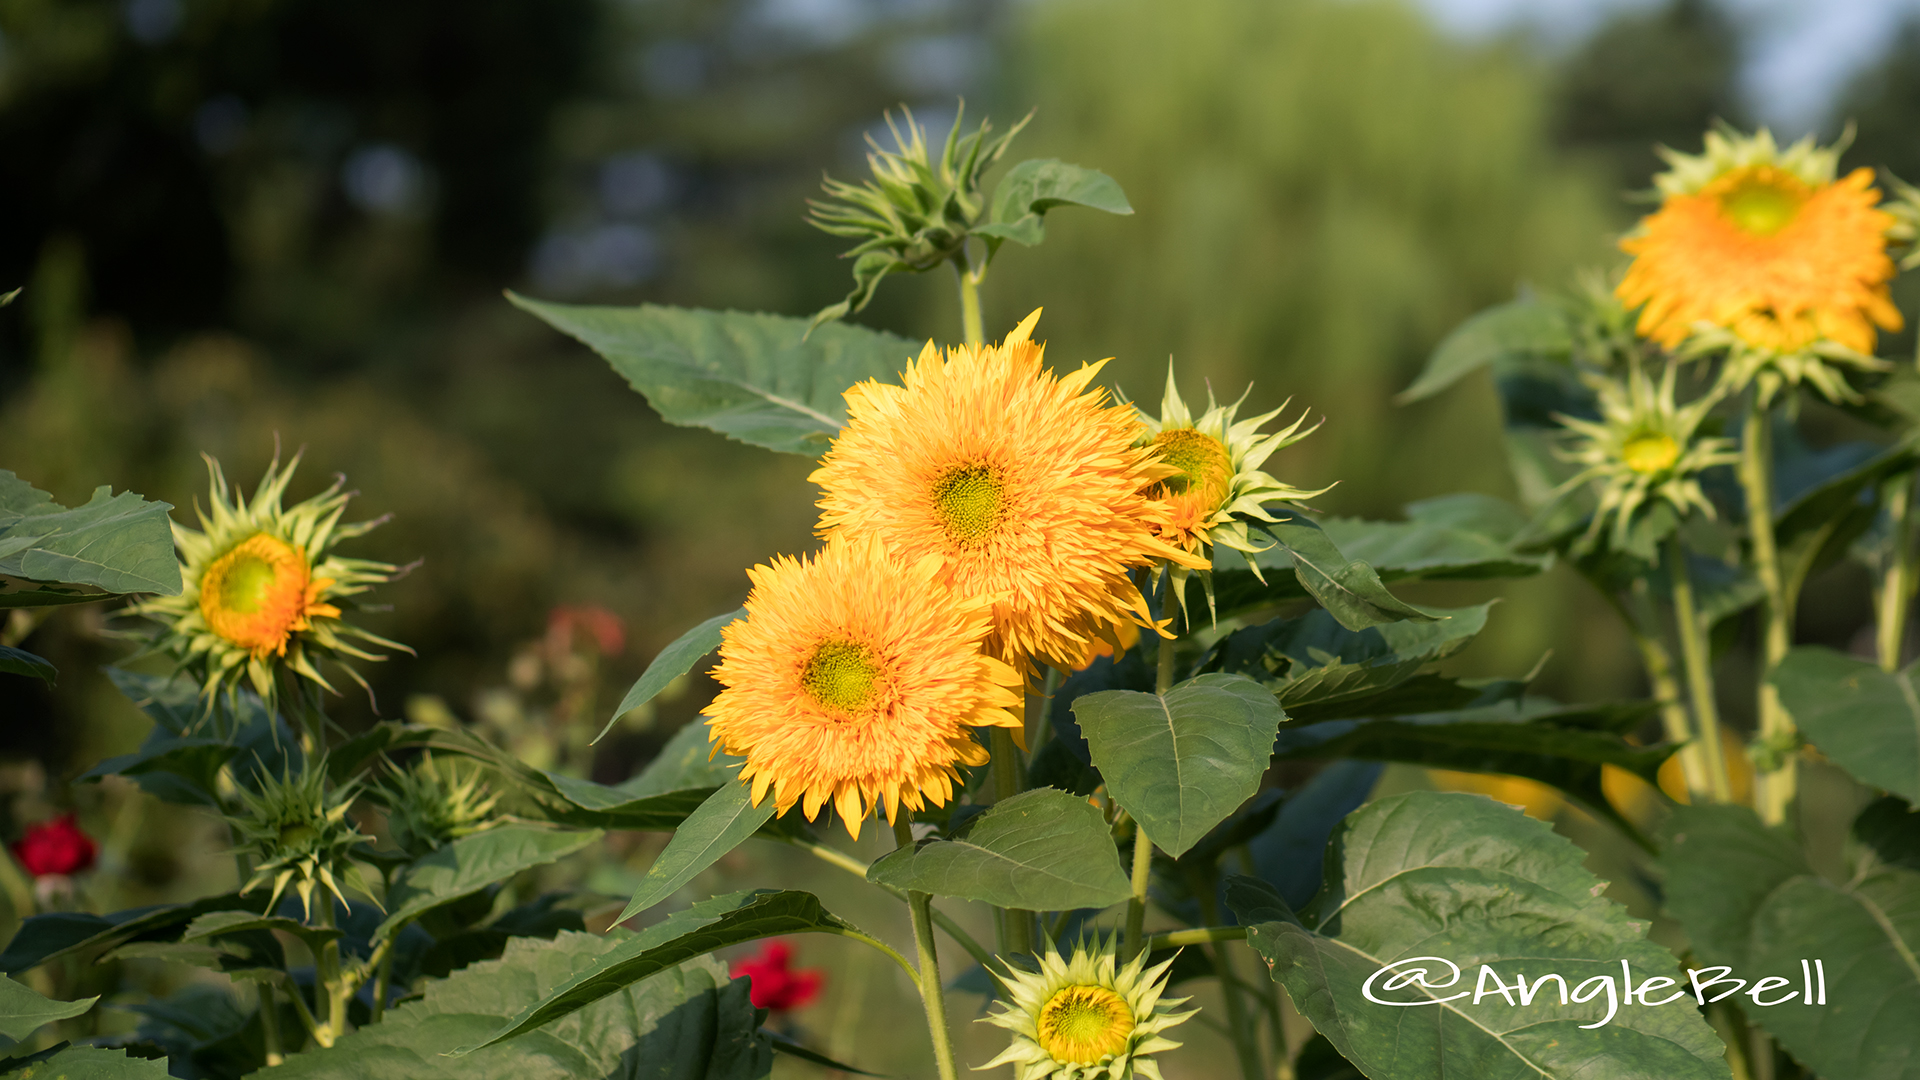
247,220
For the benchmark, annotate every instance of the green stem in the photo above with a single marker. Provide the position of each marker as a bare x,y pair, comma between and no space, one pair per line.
329,980
1896,589
838,858
931,992
1203,886
1699,666
1727,1024
1775,776
269,1026
972,330
1658,661
1180,938
1142,846
383,973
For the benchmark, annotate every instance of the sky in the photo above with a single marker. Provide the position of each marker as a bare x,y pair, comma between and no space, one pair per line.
1799,54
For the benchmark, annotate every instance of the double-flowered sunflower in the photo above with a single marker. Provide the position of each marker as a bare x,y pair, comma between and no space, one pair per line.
856,680
1770,256
263,586
1028,487
1086,1017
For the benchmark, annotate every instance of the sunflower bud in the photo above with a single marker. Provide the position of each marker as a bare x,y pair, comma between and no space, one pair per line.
298,833
1086,1018
433,803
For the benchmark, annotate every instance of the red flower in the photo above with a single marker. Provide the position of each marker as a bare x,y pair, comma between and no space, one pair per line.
55,847
775,986
608,632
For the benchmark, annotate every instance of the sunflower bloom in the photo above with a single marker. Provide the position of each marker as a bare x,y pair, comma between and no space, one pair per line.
1028,487
856,680
1766,247
262,588
1087,1017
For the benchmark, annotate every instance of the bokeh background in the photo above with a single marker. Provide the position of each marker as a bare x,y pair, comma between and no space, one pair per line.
242,221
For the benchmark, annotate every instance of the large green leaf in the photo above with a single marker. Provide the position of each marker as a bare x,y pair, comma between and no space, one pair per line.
706,926
181,758
1349,589
1749,900
1042,850
1865,719
22,1011
1462,537
673,662
687,761
1829,499
725,820
1179,764
1459,879
21,662
1528,327
91,1063
1033,187
687,1022
52,555
63,933
756,378
1313,660
472,863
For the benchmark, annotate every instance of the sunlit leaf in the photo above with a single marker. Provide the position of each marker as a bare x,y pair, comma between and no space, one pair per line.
1041,850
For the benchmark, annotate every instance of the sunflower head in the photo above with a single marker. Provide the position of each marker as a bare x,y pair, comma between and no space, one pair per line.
435,802
1034,493
1085,1017
1643,450
1217,487
264,588
856,681
297,830
1760,252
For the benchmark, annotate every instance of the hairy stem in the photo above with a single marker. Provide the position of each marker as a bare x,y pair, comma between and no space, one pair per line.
1774,773
921,905
1699,665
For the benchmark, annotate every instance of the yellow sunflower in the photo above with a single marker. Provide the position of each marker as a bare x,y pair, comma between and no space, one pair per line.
856,680
262,585
1219,486
1029,487
1788,264
1086,1017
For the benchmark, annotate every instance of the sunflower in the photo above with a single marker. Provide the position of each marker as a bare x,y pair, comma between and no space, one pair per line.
262,586
1029,487
856,680
1220,487
1086,1017
1762,247
299,832
1643,450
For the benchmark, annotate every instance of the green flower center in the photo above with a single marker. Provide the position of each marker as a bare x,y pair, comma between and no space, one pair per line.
243,588
841,675
971,502
1650,452
1082,1024
1760,206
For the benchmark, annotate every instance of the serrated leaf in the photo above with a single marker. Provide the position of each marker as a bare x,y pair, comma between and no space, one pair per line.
706,926
1748,900
724,821
22,1011
114,544
1519,328
1463,878
1179,764
674,661
472,863
1349,589
1866,720
757,378
1041,850
690,1019
1033,187
92,1063
21,662
1313,660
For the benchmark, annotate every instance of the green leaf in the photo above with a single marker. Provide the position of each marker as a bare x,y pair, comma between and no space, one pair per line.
1748,900
1347,588
92,1063
674,661
785,1045
43,938
1033,187
1465,537
1866,720
21,662
112,545
721,823
1042,850
689,1022
472,863
756,378
22,1011
1179,764
1519,328
1829,499
1475,883
687,761
702,928
1313,660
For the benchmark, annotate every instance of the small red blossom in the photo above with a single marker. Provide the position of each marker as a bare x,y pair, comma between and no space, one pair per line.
56,847
608,632
776,986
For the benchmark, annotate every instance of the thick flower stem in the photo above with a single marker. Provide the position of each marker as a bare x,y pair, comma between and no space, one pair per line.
1204,885
1895,596
921,906
269,1026
1699,665
1142,846
1774,773
972,330
329,981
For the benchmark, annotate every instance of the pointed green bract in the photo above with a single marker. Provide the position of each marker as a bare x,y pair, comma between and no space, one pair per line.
1041,850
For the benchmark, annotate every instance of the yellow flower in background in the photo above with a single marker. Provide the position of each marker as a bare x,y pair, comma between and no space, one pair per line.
1219,486
1028,487
856,680
1085,1017
262,585
1788,264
